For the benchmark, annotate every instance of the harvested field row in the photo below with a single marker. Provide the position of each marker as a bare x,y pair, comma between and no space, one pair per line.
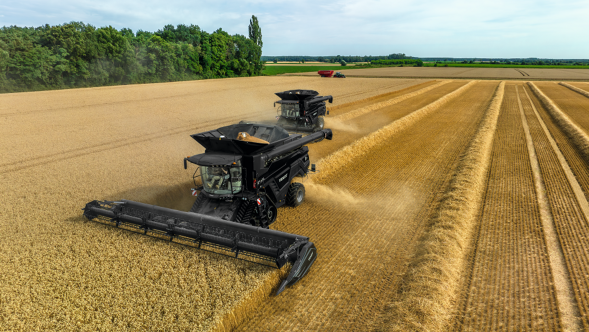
363,250
571,103
391,101
339,159
576,89
576,134
510,286
343,108
63,273
569,216
349,131
568,309
443,249
397,87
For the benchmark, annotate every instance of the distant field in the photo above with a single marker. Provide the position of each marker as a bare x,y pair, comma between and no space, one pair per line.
314,63
307,63
488,65
276,70
463,73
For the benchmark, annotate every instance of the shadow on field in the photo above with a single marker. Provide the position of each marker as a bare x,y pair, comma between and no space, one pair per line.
173,197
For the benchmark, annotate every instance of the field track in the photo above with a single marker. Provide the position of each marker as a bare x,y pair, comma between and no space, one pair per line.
390,169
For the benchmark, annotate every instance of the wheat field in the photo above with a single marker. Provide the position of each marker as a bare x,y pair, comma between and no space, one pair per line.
440,205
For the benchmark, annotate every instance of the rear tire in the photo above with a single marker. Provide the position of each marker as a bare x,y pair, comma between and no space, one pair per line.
296,194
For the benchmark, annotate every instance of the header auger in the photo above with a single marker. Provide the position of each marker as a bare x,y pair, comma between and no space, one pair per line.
246,173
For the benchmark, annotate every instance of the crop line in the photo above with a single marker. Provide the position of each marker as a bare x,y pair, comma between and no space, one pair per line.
562,283
577,135
243,310
574,88
335,161
430,289
373,107
367,99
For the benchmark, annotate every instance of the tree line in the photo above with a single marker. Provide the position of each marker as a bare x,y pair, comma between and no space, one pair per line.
415,62
336,58
80,55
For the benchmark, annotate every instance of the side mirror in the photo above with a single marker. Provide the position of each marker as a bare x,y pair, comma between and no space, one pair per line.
185,166
327,112
313,168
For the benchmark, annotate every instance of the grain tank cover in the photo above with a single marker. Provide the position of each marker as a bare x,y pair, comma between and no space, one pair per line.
297,95
225,139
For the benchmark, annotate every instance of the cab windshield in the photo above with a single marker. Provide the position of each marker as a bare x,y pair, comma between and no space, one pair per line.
221,180
289,110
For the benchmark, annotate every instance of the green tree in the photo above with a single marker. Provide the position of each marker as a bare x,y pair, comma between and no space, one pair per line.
255,34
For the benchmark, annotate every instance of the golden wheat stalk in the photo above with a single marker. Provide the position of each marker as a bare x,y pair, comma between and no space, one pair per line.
574,88
431,284
376,106
577,135
337,160
242,311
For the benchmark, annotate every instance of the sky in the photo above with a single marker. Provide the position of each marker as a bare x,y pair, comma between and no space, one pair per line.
453,28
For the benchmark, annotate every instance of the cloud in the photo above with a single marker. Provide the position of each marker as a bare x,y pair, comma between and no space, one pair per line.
497,28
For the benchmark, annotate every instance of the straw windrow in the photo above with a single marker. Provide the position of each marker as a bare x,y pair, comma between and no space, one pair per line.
431,284
361,111
378,96
577,135
574,88
337,160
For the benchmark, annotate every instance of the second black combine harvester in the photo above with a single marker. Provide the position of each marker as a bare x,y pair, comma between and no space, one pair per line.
302,110
246,174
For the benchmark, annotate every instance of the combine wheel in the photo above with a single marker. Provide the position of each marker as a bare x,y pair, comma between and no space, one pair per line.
272,214
296,194
320,124
197,203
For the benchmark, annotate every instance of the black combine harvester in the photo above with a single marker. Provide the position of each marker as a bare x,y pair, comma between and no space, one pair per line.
246,173
302,110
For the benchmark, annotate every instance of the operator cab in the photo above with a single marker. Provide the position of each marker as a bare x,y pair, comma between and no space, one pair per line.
288,109
222,180
221,174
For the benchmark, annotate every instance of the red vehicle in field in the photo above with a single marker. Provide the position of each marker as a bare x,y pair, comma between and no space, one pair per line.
330,73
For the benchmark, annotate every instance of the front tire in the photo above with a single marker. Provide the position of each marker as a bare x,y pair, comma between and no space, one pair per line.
296,194
272,213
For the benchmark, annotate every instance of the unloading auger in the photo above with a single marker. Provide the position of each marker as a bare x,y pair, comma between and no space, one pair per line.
246,174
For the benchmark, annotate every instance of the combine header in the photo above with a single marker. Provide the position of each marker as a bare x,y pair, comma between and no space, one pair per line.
246,174
302,110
